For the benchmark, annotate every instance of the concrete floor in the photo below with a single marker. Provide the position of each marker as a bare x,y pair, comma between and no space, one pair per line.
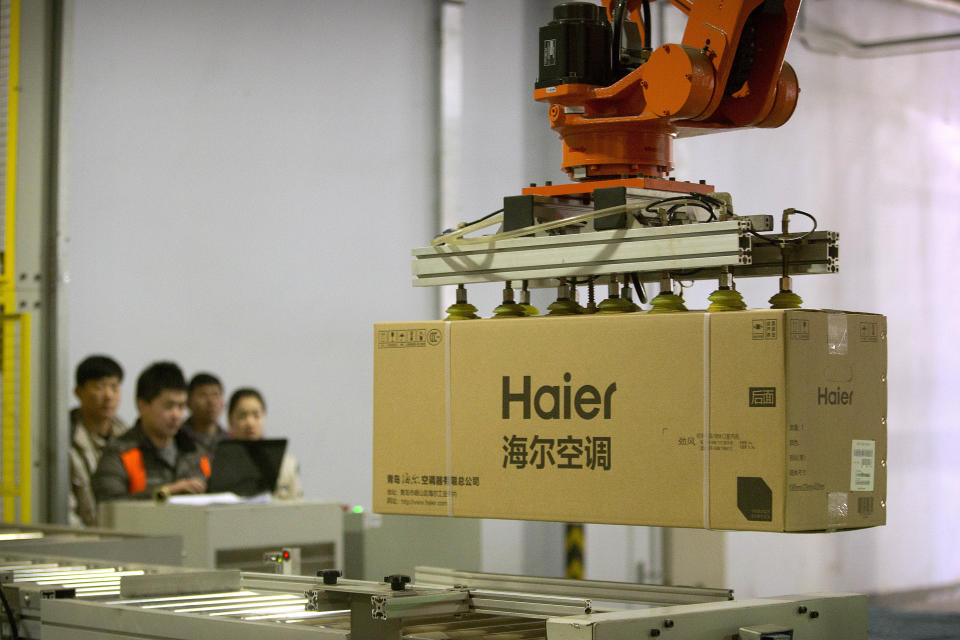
927,614
937,600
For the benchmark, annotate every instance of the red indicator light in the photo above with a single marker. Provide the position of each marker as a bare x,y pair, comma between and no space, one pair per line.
286,555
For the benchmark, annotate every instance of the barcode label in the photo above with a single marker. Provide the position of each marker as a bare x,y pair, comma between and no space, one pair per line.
865,506
862,465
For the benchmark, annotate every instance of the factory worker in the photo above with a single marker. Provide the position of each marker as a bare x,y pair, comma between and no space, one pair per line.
245,415
154,458
205,401
92,426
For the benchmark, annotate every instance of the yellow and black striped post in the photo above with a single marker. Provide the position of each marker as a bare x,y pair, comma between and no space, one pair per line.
574,547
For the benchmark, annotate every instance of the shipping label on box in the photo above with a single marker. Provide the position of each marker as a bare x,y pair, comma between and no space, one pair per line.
632,419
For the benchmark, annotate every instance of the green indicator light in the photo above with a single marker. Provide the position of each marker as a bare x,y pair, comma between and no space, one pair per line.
358,509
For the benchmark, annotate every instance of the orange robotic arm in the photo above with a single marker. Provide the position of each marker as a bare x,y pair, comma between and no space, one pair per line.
728,72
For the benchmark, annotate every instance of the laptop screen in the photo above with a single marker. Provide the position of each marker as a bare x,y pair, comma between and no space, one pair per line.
246,467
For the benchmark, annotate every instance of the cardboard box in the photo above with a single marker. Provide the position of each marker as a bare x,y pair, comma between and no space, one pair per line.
603,419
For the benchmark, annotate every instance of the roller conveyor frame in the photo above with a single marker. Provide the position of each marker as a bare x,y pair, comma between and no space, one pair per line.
439,604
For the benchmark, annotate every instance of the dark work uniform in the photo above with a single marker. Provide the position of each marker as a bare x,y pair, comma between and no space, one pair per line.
208,442
131,467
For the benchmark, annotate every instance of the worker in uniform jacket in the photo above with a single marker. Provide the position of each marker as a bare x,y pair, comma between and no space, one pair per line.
154,458
92,426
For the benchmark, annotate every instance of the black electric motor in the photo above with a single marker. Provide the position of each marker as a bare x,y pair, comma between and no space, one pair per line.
575,46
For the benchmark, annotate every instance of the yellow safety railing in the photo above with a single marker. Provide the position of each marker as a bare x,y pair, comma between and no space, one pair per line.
15,355
16,432
7,284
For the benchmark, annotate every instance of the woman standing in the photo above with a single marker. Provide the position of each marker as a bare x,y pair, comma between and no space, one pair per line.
245,414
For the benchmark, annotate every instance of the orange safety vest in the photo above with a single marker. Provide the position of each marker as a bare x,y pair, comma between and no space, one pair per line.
137,473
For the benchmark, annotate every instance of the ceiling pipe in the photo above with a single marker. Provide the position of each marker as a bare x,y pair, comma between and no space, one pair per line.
945,6
822,40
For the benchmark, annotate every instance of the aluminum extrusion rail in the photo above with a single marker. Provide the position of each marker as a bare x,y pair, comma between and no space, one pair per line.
596,590
689,251
656,249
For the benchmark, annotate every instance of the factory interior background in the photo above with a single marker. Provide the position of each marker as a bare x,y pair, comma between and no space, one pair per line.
240,183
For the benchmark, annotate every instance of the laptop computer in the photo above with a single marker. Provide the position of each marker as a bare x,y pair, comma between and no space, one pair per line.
246,467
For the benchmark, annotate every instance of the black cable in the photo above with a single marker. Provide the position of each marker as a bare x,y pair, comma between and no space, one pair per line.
764,238
489,215
619,11
638,287
804,213
467,224
695,197
779,239
692,200
14,630
675,208
647,26
672,212
619,18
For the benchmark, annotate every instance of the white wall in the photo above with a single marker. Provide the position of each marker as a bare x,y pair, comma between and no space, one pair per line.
212,144
872,151
242,183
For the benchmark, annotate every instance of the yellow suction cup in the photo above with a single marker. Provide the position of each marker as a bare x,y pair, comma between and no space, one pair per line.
786,299
667,302
726,300
564,305
615,303
461,309
508,308
528,309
